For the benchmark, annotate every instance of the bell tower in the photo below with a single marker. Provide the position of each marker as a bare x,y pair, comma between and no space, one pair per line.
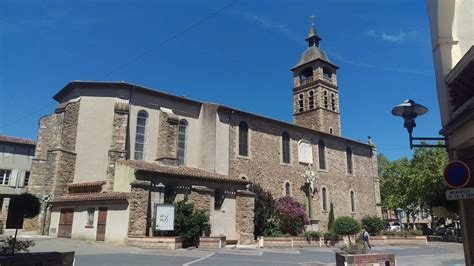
315,91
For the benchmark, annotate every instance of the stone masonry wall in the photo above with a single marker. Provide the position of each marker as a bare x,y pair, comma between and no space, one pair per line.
245,215
54,163
264,166
139,209
201,196
118,149
166,151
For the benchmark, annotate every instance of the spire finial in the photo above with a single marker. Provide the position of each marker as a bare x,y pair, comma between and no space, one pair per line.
312,17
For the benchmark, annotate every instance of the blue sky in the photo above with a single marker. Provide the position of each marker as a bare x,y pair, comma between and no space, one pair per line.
239,57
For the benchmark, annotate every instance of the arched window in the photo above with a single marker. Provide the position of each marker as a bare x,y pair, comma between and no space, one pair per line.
287,189
327,74
182,127
140,135
243,138
333,102
330,130
324,198
322,154
353,208
311,99
349,161
326,99
285,147
300,103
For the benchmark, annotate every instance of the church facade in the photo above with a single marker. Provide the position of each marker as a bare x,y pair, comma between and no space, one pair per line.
112,151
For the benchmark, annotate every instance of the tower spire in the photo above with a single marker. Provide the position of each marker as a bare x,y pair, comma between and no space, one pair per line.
312,38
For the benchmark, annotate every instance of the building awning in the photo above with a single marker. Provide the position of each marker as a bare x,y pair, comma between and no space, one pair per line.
88,197
180,171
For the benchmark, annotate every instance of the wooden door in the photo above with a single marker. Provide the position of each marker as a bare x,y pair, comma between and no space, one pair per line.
65,223
101,221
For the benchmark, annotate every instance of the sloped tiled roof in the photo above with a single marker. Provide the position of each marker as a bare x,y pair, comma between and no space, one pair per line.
180,171
93,197
17,140
87,184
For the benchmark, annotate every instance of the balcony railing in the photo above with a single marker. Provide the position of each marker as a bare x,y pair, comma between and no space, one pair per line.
306,80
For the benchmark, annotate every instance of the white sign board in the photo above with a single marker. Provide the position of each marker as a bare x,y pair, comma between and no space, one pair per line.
164,217
461,193
305,154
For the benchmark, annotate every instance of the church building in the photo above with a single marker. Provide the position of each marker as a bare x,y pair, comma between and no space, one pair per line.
112,151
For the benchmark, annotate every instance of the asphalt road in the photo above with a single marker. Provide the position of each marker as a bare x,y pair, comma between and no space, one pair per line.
100,254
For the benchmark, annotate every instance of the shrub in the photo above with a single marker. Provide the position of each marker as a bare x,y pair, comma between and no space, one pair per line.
290,216
264,211
411,232
331,217
373,224
357,248
330,235
312,235
190,223
10,245
346,225
272,230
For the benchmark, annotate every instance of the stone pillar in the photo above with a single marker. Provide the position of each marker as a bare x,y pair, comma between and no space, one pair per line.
118,149
53,167
139,209
245,201
166,151
201,196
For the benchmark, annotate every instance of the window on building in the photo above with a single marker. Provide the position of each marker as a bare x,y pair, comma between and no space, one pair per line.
182,126
324,198
287,189
5,177
311,99
330,130
285,143
353,209
90,217
350,169
27,179
243,138
322,154
219,197
306,75
300,103
327,73
326,99
140,135
333,102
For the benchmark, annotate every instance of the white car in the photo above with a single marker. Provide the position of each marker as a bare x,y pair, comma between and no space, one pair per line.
394,226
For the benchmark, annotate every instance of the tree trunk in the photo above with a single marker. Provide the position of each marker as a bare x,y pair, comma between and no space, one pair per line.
14,239
349,236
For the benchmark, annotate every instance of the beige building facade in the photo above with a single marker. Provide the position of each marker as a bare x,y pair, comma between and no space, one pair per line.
113,150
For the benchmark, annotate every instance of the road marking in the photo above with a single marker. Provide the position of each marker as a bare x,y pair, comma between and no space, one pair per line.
262,261
203,258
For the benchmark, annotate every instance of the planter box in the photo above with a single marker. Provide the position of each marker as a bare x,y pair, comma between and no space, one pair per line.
39,259
397,240
269,242
212,242
364,259
157,242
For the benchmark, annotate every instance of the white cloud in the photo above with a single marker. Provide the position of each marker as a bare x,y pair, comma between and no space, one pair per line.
269,24
396,37
399,69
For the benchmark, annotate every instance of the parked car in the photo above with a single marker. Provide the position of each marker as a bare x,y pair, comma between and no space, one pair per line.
394,226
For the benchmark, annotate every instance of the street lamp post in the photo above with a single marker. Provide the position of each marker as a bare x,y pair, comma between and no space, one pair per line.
409,110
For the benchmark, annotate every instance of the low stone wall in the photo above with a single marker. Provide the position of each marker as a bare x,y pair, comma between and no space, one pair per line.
212,242
395,240
292,242
39,259
157,242
457,239
364,259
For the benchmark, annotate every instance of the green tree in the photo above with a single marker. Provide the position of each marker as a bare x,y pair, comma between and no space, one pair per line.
373,224
24,206
331,217
190,223
346,225
264,209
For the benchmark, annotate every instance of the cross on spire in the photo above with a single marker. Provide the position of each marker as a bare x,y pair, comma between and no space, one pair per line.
312,17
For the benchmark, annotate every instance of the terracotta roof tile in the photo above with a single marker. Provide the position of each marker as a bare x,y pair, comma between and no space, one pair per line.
93,197
17,140
87,184
180,171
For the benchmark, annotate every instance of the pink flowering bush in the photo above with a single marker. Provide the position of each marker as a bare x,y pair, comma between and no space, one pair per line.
290,216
